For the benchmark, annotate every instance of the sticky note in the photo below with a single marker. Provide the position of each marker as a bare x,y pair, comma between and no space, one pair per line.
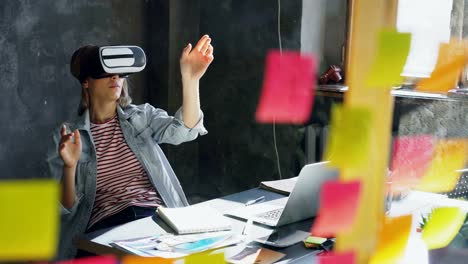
315,240
202,258
132,259
348,144
393,239
392,52
30,219
411,158
288,88
442,226
442,175
337,258
450,62
338,206
92,260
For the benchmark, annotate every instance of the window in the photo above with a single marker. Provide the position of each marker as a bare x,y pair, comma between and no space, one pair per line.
429,23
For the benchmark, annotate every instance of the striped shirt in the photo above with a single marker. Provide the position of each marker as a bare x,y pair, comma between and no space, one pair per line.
121,180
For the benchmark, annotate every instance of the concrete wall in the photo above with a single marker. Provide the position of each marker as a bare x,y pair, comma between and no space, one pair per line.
37,39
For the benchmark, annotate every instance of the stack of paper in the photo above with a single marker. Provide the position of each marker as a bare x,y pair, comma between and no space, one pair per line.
173,246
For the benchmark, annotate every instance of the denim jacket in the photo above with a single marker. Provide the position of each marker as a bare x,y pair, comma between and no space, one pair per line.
144,127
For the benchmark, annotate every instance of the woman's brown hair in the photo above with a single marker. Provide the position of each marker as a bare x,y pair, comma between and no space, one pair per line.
123,101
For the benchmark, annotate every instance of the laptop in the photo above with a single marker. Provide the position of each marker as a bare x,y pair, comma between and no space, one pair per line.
301,204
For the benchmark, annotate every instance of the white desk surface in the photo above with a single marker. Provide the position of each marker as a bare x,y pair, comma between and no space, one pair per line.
98,242
415,203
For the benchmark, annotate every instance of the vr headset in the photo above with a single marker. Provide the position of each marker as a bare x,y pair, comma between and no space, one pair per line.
120,60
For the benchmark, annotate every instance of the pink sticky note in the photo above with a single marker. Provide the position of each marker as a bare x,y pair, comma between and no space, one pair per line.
338,206
411,158
91,260
288,88
337,258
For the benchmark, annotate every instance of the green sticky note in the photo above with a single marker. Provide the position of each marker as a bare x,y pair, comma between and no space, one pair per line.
315,240
442,226
392,52
202,258
30,220
349,139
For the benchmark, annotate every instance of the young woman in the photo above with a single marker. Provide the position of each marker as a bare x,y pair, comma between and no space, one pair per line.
108,161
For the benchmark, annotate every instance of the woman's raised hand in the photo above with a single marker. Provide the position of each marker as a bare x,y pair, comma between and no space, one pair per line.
70,147
194,62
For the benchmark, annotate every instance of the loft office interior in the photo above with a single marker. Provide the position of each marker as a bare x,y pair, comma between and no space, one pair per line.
238,153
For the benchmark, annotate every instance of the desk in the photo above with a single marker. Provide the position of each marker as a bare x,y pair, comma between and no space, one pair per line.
416,203
98,242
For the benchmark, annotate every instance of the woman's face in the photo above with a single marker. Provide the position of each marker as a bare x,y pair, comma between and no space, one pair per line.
104,90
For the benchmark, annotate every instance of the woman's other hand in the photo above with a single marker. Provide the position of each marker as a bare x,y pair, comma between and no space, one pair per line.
69,150
194,62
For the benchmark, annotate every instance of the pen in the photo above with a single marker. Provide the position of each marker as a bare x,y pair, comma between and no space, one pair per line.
259,199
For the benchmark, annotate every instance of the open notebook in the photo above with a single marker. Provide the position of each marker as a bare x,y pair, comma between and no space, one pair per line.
194,219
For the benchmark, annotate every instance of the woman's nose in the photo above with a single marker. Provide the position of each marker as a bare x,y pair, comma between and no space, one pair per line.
115,77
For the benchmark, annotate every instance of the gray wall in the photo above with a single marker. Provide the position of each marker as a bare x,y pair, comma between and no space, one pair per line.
237,153
37,39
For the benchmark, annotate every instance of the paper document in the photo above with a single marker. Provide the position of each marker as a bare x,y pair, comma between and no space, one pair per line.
173,246
194,219
284,186
257,255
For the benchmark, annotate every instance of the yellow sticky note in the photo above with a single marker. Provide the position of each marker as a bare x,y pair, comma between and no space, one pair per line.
30,219
442,176
203,258
393,239
348,143
442,226
392,52
451,60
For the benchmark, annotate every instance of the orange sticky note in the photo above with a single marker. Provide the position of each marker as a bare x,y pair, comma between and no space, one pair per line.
392,52
29,225
442,175
337,258
338,206
202,258
450,62
348,144
442,226
393,239
92,260
288,88
132,259
412,156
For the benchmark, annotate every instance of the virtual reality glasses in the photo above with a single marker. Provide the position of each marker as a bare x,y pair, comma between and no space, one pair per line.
122,59
114,60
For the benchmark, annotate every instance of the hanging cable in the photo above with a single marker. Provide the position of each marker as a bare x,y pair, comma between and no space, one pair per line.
274,122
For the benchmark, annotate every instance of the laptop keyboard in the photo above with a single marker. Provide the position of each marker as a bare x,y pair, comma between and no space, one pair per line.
271,215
